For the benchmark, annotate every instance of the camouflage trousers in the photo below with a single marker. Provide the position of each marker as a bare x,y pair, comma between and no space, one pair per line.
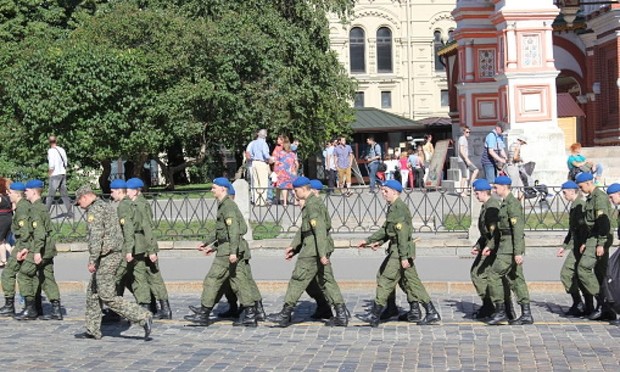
9,275
102,290
391,274
308,270
33,277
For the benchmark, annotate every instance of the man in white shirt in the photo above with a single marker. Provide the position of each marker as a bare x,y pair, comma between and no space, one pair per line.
57,171
330,165
468,168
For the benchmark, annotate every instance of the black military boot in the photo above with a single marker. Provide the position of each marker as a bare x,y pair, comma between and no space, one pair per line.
38,304
432,316
201,316
341,319
413,315
148,325
510,310
391,309
146,307
9,307
260,311
164,311
526,316
577,309
56,313
588,300
597,314
239,320
110,317
373,317
486,310
283,318
499,315
247,317
29,312
322,311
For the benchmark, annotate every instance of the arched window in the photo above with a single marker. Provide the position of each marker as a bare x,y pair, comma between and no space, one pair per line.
384,50
437,44
357,50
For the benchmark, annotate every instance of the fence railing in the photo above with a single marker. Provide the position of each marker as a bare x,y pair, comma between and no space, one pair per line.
191,215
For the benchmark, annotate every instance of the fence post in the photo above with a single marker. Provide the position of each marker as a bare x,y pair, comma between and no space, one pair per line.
242,198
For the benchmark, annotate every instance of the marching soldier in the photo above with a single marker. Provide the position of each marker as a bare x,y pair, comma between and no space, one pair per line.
509,253
614,196
592,266
399,263
153,274
37,259
105,241
313,245
229,263
575,238
21,229
489,236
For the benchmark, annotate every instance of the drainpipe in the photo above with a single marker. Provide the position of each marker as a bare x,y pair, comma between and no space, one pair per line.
409,80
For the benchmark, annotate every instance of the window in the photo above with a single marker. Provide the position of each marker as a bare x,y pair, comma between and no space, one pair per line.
357,50
438,43
445,98
384,50
359,100
386,99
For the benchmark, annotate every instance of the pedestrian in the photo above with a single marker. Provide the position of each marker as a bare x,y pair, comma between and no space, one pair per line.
6,217
313,245
259,155
575,238
37,259
577,163
614,197
285,167
230,247
399,263
57,171
105,241
21,228
373,158
330,165
344,162
468,168
592,266
391,167
429,151
154,279
493,157
515,163
405,168
416,163
509,253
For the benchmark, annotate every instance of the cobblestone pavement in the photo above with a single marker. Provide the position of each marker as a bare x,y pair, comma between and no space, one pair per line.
553,343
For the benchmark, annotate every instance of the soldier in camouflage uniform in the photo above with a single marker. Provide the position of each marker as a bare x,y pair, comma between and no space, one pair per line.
592,266
21,229
398,264
153,274
229,263
575,238
37,259
614,197
313,245
509,253
105,241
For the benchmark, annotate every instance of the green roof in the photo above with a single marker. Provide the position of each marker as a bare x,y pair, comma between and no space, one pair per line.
369,119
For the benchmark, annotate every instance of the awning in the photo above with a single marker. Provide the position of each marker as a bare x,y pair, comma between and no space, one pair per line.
370,119
567,107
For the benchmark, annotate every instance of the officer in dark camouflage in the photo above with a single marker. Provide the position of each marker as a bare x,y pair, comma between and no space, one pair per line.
230,247
509,257
592,266
37,259
105,240
574,240
399,263
313,245
22,229
153,274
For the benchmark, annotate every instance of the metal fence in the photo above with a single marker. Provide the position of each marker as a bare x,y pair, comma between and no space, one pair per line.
191,215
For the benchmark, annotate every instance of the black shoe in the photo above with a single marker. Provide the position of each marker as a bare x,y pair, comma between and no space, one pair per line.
200,317
576,310
232,312
29,312
597,314
615,322
432,316
247,318
260,311
373,317
526,316
323,311
341,319
148,326
486,310
283,318
9,307
56,313
391,309
510,310
164,311
413,315
588,300
499,315
86,336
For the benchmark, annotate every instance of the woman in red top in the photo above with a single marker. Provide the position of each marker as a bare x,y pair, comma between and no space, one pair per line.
404,168
6,216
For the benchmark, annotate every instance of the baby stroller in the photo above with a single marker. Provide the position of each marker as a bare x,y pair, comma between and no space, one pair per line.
532,188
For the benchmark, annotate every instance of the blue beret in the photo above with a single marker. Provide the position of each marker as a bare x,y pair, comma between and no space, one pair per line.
118,184
18,186
570,185
316,184
584,177
394,185
481,185
231,190
613,188
134,183
301,181
34,184
222,182
503,180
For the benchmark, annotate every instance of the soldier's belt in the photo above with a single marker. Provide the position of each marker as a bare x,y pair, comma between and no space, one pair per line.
307,233
139,232
505,231
221,241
